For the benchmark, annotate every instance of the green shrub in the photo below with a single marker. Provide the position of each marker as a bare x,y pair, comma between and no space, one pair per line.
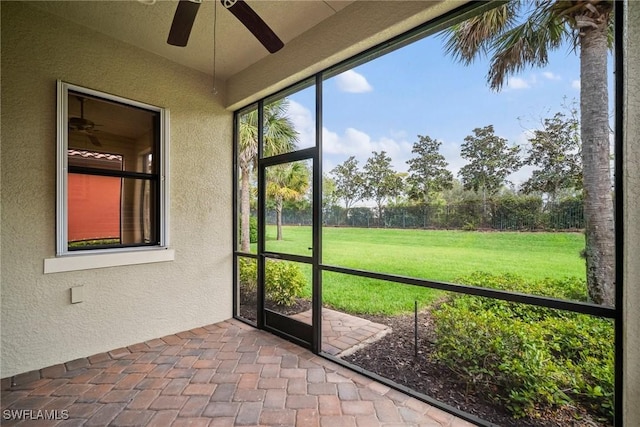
570,288
253,229
566,214
248,274
94,242
469,226
524,356
512,212
284,280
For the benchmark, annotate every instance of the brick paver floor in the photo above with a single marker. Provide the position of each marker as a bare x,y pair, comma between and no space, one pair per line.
342,333
219,375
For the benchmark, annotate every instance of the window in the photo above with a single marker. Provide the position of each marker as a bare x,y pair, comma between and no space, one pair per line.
111,173
464,205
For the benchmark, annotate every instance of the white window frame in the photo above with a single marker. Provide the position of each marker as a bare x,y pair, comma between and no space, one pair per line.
95,258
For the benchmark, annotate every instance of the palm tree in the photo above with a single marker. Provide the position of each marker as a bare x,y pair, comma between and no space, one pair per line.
287,182
519,34
279,136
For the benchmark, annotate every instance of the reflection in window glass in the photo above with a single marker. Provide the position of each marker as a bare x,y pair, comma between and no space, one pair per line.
94,210
101,125
94,214
108,211
112,173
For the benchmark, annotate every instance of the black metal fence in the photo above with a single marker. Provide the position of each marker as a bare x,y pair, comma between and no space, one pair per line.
505,214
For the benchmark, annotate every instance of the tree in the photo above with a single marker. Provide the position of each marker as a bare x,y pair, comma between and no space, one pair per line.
555,151
380,181
517,36
279,137
457,194
286,182
428,172
400,193
349,183
491,160
329,197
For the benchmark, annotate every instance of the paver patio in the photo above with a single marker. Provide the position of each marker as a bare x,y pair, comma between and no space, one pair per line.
219,375
342,333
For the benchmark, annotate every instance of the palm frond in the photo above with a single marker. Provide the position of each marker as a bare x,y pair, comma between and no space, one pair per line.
527,44
288,181
280,135
279,132
468,39
597,11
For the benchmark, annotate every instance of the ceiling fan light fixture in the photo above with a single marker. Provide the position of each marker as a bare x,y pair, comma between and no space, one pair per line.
84,126
80,124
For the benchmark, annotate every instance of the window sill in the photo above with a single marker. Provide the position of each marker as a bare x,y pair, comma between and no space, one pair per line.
114,259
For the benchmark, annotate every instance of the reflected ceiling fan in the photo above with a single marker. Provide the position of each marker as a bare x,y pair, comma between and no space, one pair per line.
186,14
84,126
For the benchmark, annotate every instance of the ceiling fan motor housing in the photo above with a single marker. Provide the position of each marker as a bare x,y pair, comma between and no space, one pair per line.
81,124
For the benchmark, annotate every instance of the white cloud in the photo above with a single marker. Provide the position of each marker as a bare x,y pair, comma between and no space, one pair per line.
352,82
303,122
518,178
550,76
575,84
354,142
517,83
523,137
532,80
451,152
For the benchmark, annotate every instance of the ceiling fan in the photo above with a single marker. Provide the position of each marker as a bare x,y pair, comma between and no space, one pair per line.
186,14
84,126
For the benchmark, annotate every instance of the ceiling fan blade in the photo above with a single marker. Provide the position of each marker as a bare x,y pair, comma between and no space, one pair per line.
95,141
183,22
254,23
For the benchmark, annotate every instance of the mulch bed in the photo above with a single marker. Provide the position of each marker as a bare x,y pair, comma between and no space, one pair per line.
248,304
394,357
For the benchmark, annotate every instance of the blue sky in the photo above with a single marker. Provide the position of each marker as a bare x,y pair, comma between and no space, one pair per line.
419,90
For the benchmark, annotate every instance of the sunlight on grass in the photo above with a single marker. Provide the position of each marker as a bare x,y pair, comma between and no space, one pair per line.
441,255
370,296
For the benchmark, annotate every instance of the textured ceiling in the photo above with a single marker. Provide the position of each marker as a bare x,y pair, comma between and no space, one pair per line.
146,24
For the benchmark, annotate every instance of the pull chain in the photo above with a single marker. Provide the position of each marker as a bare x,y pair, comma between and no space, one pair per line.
215,18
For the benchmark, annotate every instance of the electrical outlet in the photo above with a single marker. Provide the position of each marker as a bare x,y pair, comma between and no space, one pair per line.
77,294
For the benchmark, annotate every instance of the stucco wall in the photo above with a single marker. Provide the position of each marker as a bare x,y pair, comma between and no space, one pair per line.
122,305
631,188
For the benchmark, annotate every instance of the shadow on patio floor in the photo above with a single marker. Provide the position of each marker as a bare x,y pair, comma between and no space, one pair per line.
219,375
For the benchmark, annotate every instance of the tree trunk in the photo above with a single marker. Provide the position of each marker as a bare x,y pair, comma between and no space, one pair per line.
484,207
347,206
245,211
279,219
598,203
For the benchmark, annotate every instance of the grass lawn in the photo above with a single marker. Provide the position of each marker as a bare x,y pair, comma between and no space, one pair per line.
441,255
